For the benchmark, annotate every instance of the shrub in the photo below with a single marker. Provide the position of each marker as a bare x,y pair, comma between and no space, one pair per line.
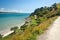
0,36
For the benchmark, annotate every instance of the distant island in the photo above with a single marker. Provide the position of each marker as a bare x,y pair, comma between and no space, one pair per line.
1,12
9,12
36,24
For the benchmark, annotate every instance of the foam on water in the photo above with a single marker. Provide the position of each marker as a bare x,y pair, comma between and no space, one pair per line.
8,20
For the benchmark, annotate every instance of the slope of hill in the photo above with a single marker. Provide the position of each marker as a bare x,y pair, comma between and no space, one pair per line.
58,5
53,32
36,24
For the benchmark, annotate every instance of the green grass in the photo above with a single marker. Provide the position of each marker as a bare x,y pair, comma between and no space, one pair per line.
31,33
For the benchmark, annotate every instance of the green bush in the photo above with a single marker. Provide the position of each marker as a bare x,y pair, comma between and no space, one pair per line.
0,36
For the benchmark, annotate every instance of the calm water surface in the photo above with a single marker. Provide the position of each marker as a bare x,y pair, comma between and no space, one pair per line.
8,20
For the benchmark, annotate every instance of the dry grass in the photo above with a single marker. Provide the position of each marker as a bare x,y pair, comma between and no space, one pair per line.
29,34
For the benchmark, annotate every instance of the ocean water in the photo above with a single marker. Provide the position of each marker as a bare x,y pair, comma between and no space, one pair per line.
8,20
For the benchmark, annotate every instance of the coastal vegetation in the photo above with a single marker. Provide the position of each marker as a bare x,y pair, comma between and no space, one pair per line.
0,36
14,29
36,24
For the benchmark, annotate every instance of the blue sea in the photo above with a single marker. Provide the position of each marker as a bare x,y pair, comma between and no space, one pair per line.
8,20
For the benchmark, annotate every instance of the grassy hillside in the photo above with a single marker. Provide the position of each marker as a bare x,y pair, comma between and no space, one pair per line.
31,33
45,16
58,5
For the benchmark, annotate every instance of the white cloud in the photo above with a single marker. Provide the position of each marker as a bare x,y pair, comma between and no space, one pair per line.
13,10
4,10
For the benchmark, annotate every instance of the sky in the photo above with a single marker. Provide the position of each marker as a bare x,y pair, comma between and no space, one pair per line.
25,6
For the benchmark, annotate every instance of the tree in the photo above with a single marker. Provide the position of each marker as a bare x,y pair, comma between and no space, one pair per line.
50,8
41,9
0,36
14,29
54,6
23,27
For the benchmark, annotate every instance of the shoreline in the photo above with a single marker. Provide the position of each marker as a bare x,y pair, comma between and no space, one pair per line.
20,25
8,31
